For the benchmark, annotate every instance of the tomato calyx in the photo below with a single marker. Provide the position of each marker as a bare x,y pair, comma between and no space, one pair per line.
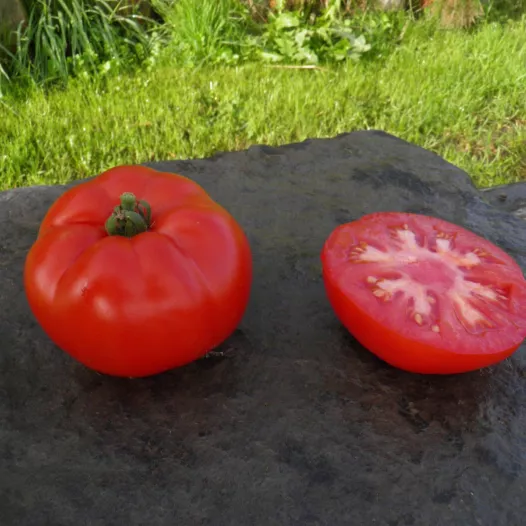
130,218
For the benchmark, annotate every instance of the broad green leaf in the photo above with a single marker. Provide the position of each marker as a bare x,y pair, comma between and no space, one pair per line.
286,20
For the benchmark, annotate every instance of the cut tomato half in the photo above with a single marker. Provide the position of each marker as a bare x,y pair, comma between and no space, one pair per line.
423,294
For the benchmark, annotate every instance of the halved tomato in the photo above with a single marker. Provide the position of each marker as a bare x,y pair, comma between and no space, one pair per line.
423,294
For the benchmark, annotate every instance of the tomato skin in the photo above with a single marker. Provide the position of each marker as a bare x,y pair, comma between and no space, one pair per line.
403,347
398,351
141,305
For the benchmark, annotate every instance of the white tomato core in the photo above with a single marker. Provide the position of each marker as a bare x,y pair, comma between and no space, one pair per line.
423,272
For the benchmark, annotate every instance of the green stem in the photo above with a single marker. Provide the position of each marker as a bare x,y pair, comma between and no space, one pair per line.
130,218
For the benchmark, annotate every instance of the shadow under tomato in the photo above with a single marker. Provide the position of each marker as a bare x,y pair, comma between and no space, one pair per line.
441,423
195,388
226,353
452,401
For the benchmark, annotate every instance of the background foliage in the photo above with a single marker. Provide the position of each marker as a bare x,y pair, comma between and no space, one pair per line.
96,83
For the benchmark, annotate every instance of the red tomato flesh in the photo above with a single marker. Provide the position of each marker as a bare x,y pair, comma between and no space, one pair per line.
423,294
137,306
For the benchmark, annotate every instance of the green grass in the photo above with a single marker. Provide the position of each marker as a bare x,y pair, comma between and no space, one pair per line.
460,94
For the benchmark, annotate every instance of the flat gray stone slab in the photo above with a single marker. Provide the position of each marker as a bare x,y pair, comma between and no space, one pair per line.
296,424
510,198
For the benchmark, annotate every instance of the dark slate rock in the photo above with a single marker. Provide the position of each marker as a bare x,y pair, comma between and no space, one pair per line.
295,424
510,197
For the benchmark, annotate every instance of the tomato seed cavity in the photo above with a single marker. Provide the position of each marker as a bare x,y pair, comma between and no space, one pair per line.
425,273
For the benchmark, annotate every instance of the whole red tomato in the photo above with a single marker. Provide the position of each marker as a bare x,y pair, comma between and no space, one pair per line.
138,271
423,294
